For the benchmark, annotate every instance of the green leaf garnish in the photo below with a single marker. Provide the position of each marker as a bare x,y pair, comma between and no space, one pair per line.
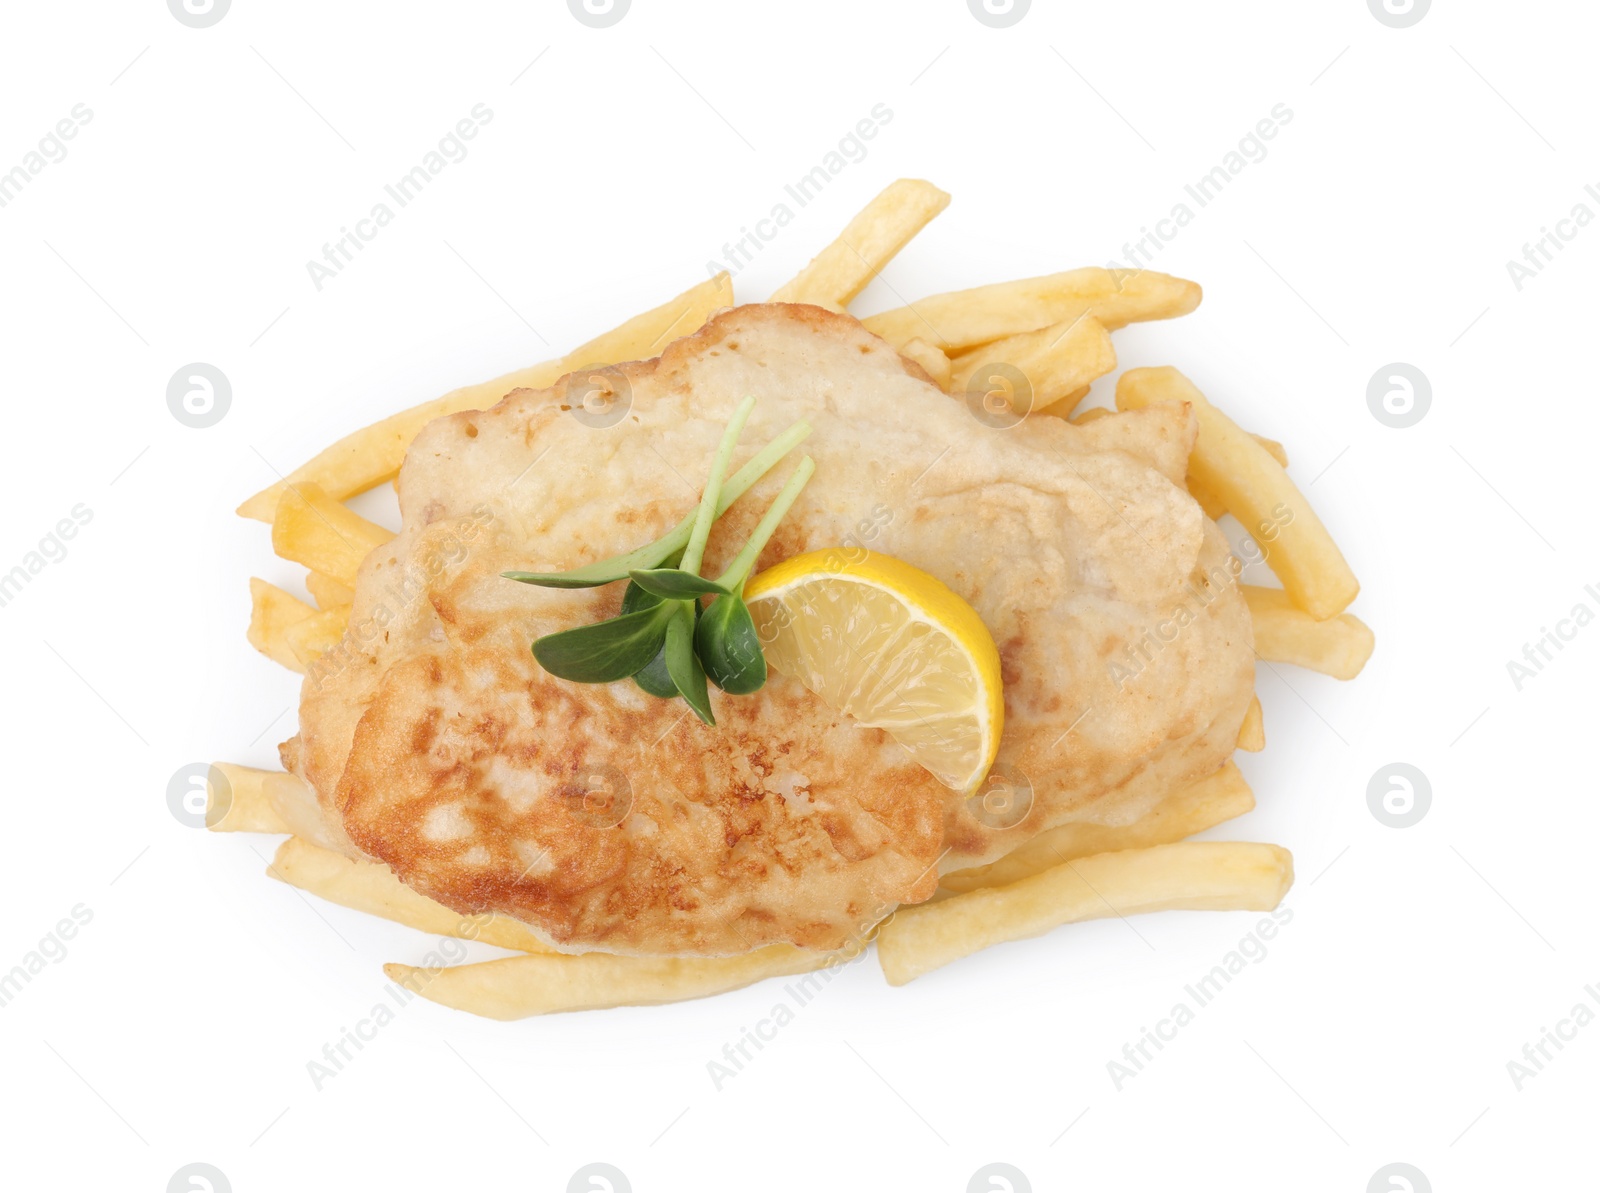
662,637
608,650
684,666
655,678
729,647
653,555
635,598
674,584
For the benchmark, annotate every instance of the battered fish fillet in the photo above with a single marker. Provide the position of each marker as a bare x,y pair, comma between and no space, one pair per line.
609,820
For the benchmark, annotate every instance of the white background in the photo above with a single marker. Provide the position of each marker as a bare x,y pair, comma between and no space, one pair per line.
218,161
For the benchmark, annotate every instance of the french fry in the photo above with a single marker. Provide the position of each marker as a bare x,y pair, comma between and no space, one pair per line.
1274,449
1057,360
236,800
1208,498
272,612
1252,733
1189,810
1210,503
1255,489
320,632
373,888
965,318
1093,414
869,242
1339,646
517,987
1188,875
934,363
646,334
369,457
1065,407
295,802
328,592
312,528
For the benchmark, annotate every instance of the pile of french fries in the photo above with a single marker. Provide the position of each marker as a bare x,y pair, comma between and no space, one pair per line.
1054,330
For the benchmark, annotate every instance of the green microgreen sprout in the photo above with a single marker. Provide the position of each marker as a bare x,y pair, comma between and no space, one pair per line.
662,637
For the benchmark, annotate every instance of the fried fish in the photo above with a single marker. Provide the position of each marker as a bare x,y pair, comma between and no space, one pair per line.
607,819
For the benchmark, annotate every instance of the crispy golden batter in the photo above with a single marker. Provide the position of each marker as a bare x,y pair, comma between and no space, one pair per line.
436,744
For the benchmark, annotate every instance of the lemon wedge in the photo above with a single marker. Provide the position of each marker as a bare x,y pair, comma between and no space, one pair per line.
890,646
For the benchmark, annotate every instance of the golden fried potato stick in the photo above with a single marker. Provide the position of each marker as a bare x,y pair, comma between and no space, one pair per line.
1274,449
517,987
1065,407
320,632
963,319
647,333
1230,463
1210,503
1058,361
1188,875
1213,504
296,804
373,888
869,242
1339,646
369,457
1094,414
328,592
236,800
312,528
934,363
1252,733
272,612
1189,810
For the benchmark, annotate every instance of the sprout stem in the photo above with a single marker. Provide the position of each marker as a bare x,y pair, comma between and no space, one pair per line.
733,579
